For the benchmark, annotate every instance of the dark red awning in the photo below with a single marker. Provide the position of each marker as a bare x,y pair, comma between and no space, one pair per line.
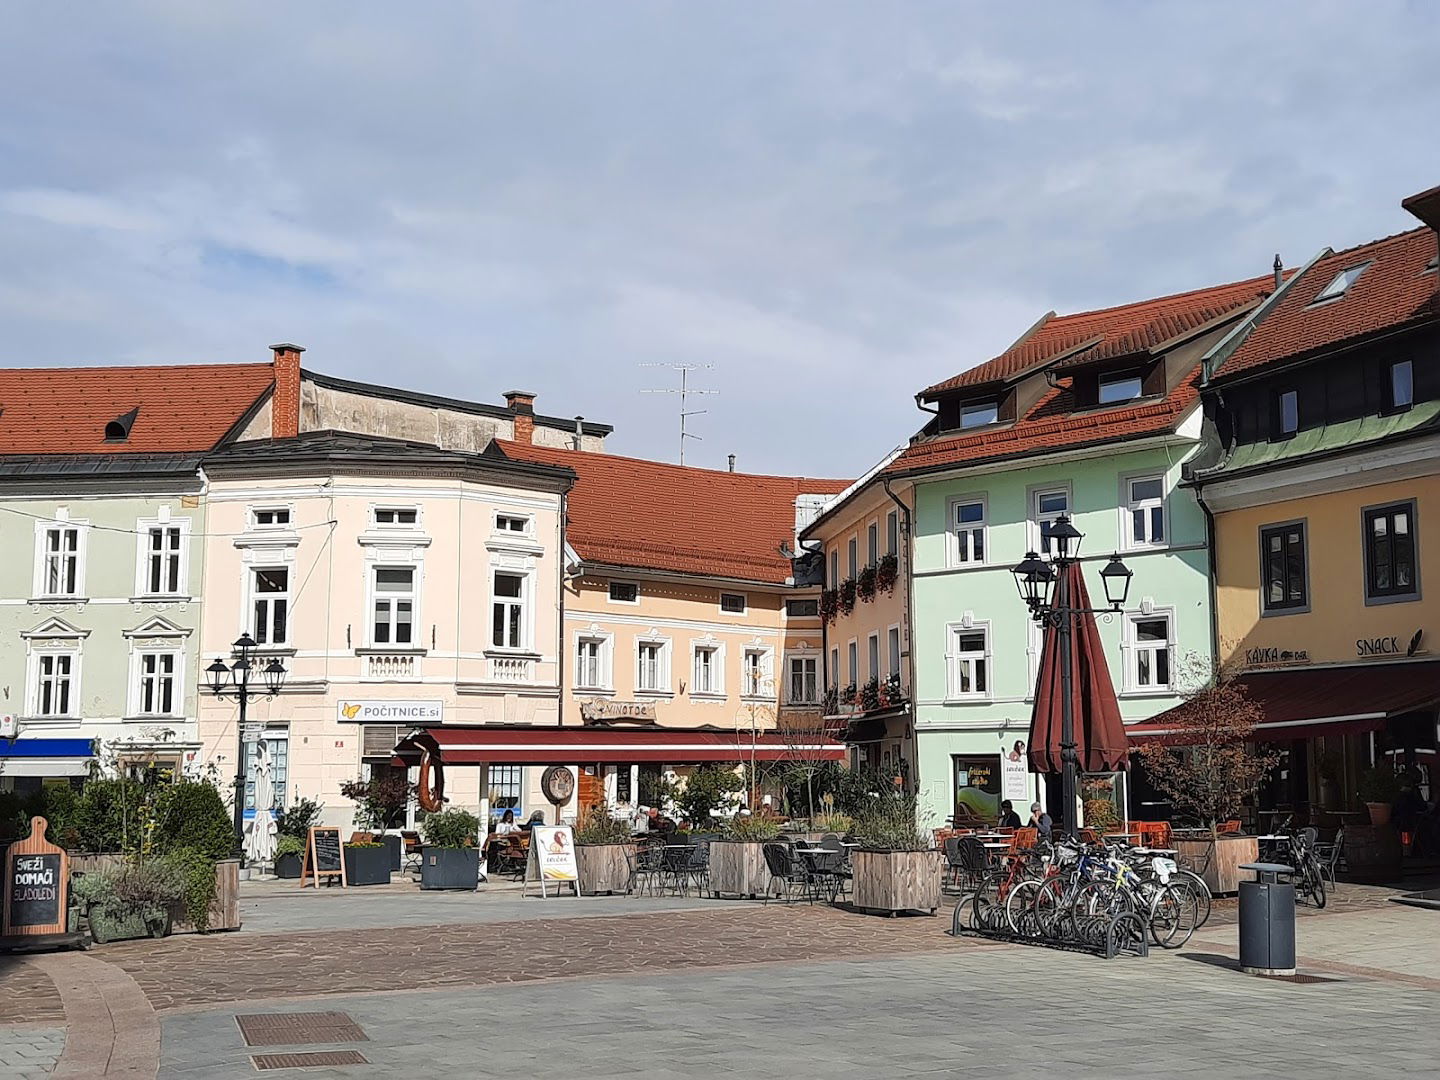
475,745
1303,703
1099,731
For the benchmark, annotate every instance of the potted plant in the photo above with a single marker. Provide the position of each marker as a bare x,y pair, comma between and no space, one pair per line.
367,862
604,848
1378,786
133,900
865,583
737,857
895,867
380,805
289,851
870,694
449,858
847,596
1329,770
1207,768
829,604
887,572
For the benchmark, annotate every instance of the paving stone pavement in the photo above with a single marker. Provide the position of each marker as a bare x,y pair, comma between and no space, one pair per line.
28,1053
27,995
995,1012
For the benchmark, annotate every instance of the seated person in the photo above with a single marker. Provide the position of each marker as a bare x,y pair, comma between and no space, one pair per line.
1008,818
1040,821
536,817
507,824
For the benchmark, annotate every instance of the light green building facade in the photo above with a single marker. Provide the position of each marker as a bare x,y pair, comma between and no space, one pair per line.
99,608
977,651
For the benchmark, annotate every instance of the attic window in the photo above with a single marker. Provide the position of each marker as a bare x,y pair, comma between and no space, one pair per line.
1340,284
979,414
1114,388
118,430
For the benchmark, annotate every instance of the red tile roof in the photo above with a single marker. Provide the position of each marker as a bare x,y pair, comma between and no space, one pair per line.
183,409
1121,331
655,516
1393,291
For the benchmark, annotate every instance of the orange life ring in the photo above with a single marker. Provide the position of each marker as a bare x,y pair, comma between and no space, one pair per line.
431,798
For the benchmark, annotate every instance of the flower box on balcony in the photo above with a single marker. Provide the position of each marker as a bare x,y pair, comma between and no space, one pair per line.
847,596
865,583
887,572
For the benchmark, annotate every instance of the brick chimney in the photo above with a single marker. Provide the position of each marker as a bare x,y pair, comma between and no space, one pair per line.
285,401
521,404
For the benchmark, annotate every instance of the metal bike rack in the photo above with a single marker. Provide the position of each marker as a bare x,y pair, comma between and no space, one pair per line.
1124,934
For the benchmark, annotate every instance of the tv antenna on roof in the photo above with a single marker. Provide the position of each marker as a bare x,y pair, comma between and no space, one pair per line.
684,390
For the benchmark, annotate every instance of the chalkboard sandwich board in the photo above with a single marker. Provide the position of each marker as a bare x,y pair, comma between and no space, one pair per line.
37,891
323,857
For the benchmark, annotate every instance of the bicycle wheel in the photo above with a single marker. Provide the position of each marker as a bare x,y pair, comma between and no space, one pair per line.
986,910
1095,908
1316,883
1175,915
1201,892
1020,908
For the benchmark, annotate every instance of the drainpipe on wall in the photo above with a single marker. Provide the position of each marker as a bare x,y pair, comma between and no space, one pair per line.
560,656
1210,574
907,616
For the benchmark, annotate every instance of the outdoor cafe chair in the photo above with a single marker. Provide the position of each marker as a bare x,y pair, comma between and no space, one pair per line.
675,866
790,879
646,867
1329,855
975,861
697,866
831,867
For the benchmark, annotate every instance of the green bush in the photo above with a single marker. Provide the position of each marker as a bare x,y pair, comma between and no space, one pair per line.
289,845
708,788
145,888
1379,784
749,829
192,815
453,828
194,872
298,820
107,816
599,826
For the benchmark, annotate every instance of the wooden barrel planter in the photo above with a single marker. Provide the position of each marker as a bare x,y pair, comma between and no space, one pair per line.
224,909
737,868
1372,854
1223,875
604,868
896,881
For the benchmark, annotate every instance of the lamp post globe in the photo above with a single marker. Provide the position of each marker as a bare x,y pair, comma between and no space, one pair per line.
274,676
1116,577
1064,536
1033,577
219,674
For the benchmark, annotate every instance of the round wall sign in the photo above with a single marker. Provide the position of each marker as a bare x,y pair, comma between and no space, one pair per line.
558,784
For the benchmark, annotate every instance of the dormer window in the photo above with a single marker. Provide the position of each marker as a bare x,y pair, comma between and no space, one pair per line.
1287,413
1340,283
1117,388
1402,385
118,430
979,414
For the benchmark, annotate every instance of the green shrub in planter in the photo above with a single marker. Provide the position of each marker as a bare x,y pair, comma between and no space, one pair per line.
196,872
131,900
367,864
889,824
191,815
1379,784
297,820
289,851
600,826
749,829
450,859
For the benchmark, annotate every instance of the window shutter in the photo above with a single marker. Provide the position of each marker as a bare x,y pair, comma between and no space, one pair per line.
380,739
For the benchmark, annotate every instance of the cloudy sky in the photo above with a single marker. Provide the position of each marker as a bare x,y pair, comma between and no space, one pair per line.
834,204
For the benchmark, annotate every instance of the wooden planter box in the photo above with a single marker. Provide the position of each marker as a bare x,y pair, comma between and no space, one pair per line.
604,868
894,881
224,909
738,869
1223,875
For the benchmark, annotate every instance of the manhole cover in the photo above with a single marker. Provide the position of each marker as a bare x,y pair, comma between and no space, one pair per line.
296,1029
314,1059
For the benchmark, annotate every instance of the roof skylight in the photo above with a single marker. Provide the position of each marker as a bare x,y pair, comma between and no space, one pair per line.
1340,284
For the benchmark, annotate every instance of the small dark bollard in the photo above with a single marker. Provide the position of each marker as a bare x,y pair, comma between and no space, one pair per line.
1267,921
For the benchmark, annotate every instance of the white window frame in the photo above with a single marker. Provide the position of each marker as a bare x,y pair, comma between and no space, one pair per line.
527,523
664,684
253,513
800,660
82,544
715,687
143,529
525,601
956,661
1037,520
852,656
960,542
610,596
1132,650
977,408
763,662
1128,506
394,508
374,596
137,682
744,605
252,597
32,704
1116,378
604,660
1034,645
894,649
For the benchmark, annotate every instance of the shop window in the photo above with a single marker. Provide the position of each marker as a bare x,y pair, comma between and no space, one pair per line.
272,749
1390,566
1283,568
505,788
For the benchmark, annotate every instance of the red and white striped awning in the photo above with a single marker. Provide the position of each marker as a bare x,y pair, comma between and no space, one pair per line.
454,744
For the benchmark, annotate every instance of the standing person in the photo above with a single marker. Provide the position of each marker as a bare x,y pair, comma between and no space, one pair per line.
1008,818
1040,821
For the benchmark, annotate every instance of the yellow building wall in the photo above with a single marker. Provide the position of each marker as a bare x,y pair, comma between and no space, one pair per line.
1338,618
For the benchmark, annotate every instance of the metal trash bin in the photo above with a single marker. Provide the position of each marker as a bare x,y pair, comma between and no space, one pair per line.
1267,921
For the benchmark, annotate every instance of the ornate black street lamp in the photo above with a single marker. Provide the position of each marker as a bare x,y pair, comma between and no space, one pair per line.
1034,577
235,678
